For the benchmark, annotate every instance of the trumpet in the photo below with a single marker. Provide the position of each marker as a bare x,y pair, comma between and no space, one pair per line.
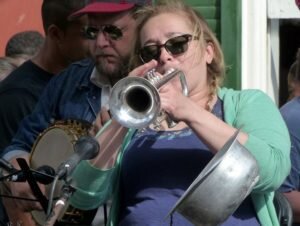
135,101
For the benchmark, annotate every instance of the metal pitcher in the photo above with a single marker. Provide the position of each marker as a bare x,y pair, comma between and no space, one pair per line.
221,186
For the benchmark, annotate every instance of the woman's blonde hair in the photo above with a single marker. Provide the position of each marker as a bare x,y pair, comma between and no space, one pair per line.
215,70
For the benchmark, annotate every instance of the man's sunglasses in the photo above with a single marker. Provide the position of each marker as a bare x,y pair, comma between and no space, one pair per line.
174,46
110,31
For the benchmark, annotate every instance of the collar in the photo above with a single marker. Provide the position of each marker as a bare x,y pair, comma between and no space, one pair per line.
98,80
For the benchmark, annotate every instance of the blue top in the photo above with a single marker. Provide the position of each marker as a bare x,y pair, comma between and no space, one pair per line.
157,168
290,112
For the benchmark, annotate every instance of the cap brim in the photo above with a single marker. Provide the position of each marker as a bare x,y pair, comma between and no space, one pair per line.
103,7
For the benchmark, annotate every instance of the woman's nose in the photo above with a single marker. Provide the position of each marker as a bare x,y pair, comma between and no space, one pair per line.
164,55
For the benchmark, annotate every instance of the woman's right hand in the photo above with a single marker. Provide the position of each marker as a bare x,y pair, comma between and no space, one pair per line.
142,70
102,117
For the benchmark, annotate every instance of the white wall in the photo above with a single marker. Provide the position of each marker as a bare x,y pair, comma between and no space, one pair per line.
260,42
255,46
283,9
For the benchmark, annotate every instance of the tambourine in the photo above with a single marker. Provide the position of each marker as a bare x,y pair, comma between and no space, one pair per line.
52,147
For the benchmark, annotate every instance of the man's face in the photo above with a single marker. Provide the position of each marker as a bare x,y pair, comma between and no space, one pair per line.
111,54
74,46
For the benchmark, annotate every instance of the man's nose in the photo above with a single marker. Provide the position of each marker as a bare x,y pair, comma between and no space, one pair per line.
102,40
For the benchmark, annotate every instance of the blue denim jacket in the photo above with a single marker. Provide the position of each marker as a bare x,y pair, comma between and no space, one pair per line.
69,95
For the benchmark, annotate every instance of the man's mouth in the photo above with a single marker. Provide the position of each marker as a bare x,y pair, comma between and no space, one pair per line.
106,57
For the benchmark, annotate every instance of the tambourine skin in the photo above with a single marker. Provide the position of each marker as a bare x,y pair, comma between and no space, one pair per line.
52,147
56,143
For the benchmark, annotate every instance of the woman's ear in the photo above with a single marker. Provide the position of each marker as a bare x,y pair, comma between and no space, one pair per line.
209,53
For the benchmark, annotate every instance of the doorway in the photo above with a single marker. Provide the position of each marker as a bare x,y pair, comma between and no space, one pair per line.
289,32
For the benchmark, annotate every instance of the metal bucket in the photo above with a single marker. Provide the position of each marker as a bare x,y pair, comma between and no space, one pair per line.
220,187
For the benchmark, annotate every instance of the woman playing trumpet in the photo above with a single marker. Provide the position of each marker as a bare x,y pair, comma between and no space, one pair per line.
155,167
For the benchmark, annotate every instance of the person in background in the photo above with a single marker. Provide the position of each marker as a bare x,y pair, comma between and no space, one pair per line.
64,43
157,164
24,45
80,91
7,65
20,47
294,78
291,114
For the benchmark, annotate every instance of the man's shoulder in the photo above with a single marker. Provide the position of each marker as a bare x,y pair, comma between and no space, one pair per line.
20,78
85,64
292,104
291,110
77,69
290,113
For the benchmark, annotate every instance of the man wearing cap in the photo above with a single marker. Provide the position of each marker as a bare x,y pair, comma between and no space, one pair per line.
79,92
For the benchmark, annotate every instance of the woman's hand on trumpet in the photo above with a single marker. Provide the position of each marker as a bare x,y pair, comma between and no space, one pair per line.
174,102
102,117
142,70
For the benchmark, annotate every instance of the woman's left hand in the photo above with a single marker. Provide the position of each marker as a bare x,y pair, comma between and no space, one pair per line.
174,102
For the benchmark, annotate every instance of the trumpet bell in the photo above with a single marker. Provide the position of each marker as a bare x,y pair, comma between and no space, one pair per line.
134,102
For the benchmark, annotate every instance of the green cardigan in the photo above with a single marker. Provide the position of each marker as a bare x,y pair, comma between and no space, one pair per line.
251,111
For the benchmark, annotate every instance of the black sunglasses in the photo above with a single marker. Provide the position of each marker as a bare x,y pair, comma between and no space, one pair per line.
110,31
174,46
